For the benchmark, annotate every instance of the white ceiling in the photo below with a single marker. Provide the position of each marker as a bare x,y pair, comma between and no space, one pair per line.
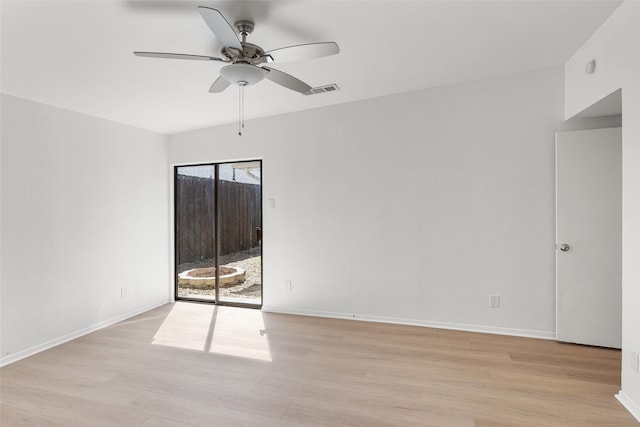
77,55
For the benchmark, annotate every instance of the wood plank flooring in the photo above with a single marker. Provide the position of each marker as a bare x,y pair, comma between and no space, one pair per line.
187,364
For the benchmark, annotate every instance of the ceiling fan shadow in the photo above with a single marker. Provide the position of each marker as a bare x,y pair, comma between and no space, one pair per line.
233,10
161,6
256,11
290,28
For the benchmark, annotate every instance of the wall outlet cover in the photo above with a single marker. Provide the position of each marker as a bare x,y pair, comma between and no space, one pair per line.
494,301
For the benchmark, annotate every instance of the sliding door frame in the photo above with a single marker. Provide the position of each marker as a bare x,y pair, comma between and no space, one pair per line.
217,243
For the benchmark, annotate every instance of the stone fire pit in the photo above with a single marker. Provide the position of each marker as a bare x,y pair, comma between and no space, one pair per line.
206,277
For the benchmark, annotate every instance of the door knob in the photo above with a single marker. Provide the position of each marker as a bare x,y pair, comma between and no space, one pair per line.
564,247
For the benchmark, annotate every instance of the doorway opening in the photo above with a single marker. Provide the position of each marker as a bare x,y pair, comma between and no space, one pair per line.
218,233
589,226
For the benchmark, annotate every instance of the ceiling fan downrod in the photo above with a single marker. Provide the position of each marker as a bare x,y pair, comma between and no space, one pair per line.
244,28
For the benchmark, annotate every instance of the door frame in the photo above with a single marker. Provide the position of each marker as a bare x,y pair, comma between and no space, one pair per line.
216,300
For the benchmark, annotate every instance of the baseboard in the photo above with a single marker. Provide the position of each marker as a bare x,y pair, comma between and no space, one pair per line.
630,405
11,358
547,335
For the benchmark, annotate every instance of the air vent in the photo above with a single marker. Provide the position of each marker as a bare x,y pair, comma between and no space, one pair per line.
323,89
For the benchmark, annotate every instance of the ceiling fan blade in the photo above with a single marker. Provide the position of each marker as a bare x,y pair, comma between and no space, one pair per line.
219,85
303,52
179,56
287,80
223,31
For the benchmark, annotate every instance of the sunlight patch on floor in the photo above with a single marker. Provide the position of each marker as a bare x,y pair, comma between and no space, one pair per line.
230,331
240,332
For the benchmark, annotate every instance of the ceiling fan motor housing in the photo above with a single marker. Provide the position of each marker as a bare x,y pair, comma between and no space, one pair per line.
250,54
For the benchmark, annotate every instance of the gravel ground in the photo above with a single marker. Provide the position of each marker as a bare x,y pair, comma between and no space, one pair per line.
249,290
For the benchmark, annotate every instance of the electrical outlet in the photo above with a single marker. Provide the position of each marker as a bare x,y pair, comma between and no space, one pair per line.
635,362
287,285
494,301
123,292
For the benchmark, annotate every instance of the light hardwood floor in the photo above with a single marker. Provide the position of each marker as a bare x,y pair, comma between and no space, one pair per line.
190,364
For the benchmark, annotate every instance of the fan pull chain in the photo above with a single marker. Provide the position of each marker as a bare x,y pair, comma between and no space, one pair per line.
242,117
241,108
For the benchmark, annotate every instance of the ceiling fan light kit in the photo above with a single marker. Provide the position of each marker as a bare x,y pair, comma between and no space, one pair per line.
245,59
243,74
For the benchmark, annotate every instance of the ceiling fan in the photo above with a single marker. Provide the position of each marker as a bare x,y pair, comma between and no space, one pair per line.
246,60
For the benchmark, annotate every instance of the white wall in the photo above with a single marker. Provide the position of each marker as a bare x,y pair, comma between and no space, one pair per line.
411,208
616,48
85,211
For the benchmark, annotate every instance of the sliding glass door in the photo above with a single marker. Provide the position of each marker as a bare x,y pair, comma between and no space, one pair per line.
218,216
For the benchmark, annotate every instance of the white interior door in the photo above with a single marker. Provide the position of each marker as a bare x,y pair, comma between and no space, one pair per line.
589,237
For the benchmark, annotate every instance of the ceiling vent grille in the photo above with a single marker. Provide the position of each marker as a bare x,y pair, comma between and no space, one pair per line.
323,89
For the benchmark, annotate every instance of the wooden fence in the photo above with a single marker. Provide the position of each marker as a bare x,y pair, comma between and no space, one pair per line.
240,208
